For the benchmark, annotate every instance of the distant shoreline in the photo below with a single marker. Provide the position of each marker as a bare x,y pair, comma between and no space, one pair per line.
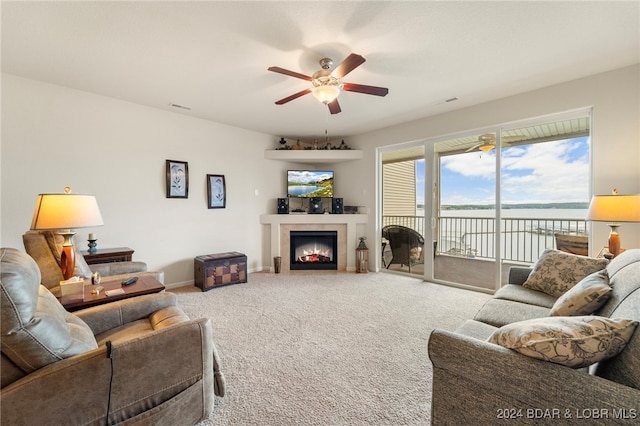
574,205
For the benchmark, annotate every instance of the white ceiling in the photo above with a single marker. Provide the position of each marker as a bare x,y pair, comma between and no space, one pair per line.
213,56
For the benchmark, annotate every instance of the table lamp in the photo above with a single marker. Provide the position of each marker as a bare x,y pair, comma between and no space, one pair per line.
64,213
614,209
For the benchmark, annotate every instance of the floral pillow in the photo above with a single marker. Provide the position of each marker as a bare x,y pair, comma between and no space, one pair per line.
556,271
575,342
584,298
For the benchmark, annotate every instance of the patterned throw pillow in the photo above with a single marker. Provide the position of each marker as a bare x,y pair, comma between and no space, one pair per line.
556,271
584,298
575,342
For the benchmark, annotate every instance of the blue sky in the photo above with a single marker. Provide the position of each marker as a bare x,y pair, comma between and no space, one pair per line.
307,176
546,172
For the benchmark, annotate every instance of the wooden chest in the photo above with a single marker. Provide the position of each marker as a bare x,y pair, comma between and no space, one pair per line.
215,270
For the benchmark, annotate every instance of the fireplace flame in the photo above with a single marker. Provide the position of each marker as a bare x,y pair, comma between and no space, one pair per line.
315,255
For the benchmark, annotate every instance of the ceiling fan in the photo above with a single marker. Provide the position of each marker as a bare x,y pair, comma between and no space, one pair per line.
327,83
487,142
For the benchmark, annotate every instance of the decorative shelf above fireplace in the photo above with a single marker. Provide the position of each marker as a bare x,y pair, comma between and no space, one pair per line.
314,155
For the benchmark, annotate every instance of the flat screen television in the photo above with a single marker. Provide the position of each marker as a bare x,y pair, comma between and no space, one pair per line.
309,183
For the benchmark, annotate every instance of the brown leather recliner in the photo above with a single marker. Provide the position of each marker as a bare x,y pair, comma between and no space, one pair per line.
139,360
45,247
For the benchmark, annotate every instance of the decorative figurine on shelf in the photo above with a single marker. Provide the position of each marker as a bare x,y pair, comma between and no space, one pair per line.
298,145
283,144
93,247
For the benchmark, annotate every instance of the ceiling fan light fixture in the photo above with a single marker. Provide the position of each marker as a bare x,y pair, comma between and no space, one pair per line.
326,93
486,147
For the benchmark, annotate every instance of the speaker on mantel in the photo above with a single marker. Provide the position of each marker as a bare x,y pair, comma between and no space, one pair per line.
315,205
337,206
283,206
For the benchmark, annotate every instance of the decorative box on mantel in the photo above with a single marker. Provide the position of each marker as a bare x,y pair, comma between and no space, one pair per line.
215,270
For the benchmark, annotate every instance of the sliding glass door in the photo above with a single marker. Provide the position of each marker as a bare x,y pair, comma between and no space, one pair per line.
504,195
462,210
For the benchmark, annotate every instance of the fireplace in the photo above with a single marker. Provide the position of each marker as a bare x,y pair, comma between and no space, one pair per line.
313,250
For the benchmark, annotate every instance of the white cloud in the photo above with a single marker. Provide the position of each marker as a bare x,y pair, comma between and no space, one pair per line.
545,172
472,164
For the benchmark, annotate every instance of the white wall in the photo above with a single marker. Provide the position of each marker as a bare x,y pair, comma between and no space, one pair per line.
614,96
54,137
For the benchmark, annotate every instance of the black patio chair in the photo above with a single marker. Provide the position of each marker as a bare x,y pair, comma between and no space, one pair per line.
407,245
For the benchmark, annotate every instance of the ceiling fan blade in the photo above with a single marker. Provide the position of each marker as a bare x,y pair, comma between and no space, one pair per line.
352,62
334,106
292,97
473,148
289,73
369,90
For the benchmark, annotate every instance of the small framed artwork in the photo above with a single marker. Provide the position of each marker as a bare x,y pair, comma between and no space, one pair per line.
177,179
216,192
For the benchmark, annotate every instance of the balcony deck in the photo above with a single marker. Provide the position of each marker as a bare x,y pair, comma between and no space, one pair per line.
465,245
461,270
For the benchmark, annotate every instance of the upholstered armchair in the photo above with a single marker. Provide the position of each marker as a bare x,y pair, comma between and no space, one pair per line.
45,248
139,360
406,245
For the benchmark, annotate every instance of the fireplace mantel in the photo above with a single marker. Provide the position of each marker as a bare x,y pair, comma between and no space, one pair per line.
340,222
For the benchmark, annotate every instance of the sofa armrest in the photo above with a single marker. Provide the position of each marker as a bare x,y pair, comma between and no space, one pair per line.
115,314
76,390
478,382
519,274
118,268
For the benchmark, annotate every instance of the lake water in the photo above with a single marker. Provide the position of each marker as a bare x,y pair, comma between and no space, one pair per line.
577,214
300,190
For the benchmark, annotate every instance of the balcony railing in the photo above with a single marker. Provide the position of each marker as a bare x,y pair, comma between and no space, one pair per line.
521,240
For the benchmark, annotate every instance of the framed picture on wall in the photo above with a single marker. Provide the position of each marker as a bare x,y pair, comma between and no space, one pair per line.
177,179
216,192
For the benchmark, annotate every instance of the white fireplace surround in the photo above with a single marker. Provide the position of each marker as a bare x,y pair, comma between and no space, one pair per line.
345,224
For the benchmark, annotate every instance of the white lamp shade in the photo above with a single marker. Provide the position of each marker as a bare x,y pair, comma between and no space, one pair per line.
614,208
65,211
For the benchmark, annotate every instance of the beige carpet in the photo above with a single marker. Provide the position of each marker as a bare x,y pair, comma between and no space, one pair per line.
327,349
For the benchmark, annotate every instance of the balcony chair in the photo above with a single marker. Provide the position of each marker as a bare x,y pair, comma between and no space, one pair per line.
135,361
406,245
45,248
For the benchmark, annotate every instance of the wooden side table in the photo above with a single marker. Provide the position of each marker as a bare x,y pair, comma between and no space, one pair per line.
108,255
144,285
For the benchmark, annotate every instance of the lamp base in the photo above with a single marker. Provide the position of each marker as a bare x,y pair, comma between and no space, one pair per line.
68,255
614,240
